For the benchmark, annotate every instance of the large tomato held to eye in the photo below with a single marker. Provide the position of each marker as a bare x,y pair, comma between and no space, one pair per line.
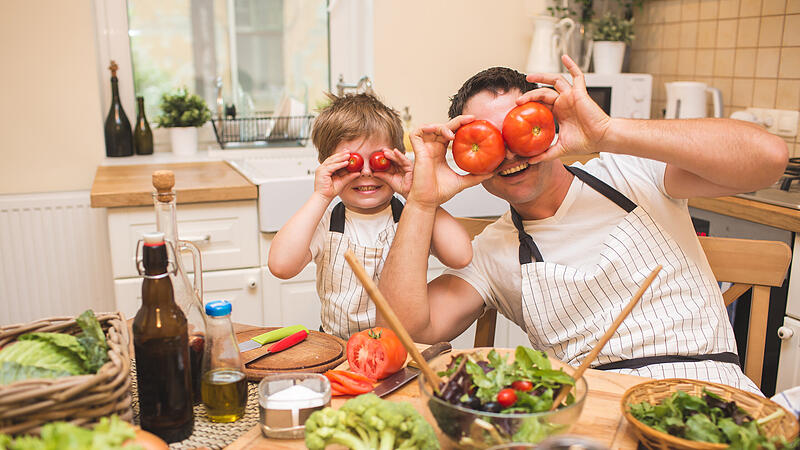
355,163
529,129
378,162
478,147
376,353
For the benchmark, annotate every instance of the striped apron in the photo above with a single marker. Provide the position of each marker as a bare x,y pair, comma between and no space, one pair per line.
346,307
678,329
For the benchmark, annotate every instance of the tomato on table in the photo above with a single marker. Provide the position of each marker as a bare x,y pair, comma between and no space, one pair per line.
355,163
378,162
376,353
478,147
529,129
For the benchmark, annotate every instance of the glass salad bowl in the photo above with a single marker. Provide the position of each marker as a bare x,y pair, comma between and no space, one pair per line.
465,427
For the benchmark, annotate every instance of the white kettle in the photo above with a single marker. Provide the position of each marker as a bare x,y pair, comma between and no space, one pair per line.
549,41
687,100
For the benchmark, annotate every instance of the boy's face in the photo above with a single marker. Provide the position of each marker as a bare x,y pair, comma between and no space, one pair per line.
366,194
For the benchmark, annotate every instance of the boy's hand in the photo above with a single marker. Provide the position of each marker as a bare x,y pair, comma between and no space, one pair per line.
400,175
327,182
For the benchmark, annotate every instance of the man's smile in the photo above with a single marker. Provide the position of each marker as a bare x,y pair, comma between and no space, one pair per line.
514,170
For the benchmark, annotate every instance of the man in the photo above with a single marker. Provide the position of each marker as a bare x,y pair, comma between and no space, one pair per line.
578,241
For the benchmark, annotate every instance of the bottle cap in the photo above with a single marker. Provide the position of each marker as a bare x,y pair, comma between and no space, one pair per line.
153,238
218,308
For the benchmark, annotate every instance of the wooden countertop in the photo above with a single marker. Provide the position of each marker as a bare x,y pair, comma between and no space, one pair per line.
194,182
758,212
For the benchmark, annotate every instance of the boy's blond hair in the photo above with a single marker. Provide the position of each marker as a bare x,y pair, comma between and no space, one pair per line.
352,117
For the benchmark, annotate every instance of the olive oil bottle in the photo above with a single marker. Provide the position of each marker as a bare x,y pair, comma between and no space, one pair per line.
223,386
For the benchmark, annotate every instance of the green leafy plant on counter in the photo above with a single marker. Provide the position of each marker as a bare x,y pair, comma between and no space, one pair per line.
610,27
109,434
366,422
182,109
53,355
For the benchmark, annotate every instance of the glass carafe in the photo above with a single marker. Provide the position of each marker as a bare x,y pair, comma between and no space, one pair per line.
188,295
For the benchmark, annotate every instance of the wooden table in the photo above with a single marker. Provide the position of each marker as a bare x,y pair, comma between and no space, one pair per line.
600,420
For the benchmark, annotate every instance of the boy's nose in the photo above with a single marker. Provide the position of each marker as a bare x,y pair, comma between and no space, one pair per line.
366,171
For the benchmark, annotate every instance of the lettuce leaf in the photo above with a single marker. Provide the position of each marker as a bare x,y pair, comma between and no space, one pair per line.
43,354
108,434
93,341
11,372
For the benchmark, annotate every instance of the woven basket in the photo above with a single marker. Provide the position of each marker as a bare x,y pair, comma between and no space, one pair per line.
657,390
80,399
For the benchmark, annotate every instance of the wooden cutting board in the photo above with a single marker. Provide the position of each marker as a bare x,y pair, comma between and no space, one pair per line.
318,353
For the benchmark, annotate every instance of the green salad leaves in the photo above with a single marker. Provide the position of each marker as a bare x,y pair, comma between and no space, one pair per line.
109,434
53,355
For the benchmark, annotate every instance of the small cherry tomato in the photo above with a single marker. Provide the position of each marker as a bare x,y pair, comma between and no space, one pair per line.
529,129
378,162
522,385
355,163
506,397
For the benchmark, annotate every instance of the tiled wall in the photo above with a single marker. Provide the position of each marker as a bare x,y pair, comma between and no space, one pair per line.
749,49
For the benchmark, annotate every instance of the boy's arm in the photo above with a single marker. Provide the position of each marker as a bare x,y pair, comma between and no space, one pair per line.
450,242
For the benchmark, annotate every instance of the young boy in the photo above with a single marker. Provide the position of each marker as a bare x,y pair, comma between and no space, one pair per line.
366,217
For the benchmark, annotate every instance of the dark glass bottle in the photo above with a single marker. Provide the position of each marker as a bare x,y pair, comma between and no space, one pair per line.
161,346
142,134
119,137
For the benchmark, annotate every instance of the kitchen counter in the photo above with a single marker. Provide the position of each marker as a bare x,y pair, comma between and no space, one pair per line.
131,185
751,210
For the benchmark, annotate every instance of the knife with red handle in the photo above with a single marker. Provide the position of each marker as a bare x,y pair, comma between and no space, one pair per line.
281,345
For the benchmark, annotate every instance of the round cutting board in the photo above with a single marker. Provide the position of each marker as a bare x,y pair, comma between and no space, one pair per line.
319,352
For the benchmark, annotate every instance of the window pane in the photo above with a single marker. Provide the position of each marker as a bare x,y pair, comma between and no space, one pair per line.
263,50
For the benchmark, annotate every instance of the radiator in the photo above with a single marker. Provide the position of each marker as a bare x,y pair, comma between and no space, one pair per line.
54,257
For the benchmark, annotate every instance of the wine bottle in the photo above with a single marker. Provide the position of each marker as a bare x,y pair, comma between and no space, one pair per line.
142,134
119,138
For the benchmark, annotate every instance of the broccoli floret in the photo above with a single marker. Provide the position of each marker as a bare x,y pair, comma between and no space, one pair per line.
367,422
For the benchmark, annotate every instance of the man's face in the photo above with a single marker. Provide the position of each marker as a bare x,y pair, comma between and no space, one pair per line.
514,180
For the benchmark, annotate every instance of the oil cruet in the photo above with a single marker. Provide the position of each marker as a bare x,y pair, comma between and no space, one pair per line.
224,385
188,294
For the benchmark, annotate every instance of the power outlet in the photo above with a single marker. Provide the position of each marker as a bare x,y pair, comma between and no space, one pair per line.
777,121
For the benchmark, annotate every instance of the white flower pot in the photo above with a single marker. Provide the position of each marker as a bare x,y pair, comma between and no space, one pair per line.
607,56
184,140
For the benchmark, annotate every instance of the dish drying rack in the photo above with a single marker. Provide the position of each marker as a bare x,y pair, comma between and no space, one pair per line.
263,129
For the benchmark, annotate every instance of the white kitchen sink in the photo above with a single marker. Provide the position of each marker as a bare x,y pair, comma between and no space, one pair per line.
285,183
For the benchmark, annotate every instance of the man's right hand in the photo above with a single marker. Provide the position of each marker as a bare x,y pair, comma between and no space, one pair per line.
327,182
434,181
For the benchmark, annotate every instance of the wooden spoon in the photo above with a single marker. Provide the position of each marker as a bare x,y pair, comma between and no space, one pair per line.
603,340
394,323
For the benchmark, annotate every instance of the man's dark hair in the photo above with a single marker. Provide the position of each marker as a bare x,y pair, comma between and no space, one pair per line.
497,80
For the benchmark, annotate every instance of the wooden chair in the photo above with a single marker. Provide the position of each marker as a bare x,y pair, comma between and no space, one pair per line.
748,264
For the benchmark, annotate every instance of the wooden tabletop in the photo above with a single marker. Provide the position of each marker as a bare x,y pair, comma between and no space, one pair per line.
600,420
194,182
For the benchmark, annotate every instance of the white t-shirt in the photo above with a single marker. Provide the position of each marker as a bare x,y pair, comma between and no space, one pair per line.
360,229
575,234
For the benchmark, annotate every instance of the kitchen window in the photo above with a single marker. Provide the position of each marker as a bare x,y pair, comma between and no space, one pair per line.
262,51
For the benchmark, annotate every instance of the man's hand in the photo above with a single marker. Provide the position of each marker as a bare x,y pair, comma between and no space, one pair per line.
434,181
400,175
582,123
327,182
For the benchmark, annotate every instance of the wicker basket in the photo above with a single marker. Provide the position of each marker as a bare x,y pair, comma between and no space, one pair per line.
80,399
657,390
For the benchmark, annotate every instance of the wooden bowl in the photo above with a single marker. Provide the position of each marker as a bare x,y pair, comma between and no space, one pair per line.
657,390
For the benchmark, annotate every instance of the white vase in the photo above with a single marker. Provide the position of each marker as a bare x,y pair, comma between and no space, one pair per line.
184,140
607,56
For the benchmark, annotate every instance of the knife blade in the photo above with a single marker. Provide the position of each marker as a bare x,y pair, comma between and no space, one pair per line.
406,374
281,345
269,336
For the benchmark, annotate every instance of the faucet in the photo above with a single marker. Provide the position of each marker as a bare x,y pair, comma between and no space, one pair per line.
220,101
364,85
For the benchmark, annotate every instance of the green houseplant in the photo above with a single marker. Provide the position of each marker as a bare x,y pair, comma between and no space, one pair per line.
610,34
183,113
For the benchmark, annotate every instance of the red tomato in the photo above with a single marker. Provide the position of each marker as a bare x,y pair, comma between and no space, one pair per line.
478,147
506,397
522,385
375,353
355,163
529,129
378,162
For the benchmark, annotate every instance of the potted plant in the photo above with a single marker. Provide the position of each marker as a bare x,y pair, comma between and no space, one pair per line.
183,113
610,33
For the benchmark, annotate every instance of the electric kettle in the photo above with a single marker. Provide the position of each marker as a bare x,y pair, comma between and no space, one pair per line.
687,100
549,41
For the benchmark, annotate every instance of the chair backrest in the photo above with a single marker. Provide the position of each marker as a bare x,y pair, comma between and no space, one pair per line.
485,328
748,264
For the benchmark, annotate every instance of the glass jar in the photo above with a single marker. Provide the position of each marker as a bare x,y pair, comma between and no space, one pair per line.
223,386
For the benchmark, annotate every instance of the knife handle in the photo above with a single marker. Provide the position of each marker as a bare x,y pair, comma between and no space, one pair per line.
432,352
276,335
287,342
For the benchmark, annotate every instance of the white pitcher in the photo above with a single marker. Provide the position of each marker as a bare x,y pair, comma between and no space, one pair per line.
549,41
687,100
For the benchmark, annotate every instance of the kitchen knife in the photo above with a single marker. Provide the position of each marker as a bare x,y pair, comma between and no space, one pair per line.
269,336
281,345
406,374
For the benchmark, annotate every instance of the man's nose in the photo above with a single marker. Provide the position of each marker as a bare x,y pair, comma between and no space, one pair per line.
510,154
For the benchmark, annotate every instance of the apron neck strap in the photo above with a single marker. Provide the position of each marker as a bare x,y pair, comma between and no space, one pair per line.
527,248
337,215
397,208
604,189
